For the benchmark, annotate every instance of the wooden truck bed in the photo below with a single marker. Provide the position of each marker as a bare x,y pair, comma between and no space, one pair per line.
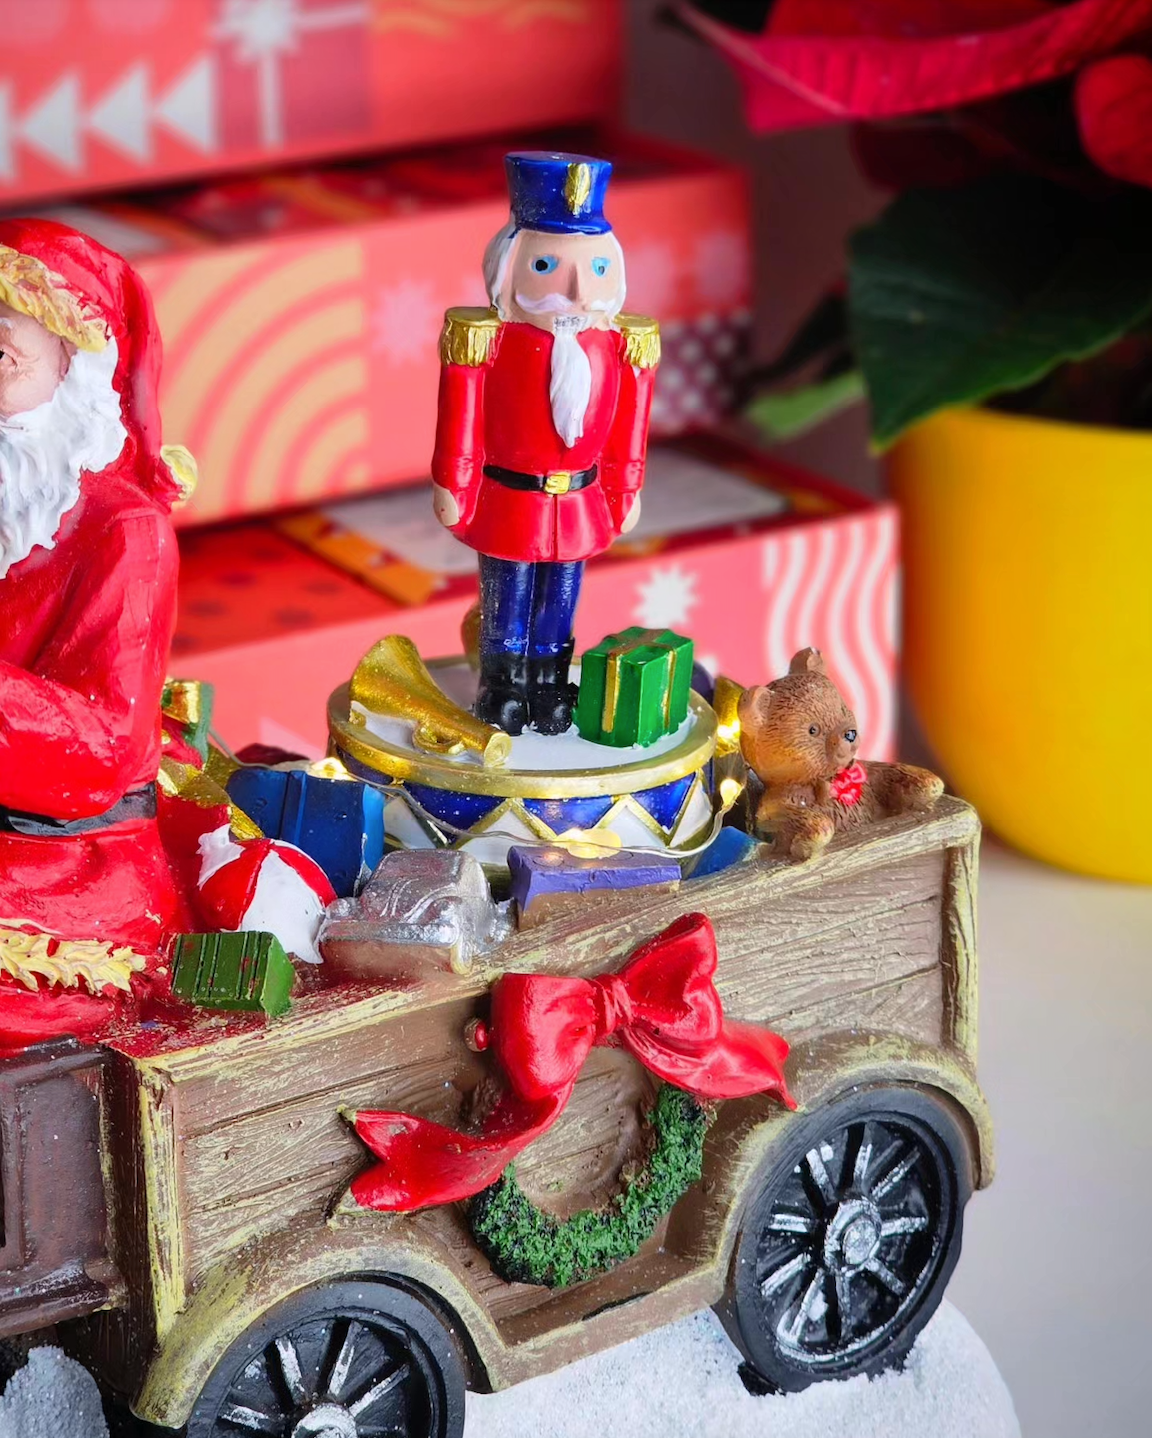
228,1138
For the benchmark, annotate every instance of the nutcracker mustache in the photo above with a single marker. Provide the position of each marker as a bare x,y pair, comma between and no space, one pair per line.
44,451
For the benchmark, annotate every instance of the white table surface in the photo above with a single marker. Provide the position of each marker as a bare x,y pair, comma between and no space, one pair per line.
1056,1274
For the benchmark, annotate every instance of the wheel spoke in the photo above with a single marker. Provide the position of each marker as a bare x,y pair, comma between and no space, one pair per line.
778,1277
879,1269
378,1390
863,1159
290,1368
820,1176
342,1363
249,1420
897,1174
799,1223
804,1311
912,1223
843,1305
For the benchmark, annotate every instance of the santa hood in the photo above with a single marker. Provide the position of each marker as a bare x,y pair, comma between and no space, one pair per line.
84,292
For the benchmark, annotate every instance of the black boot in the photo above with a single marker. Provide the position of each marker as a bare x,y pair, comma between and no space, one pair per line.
551,697
502,698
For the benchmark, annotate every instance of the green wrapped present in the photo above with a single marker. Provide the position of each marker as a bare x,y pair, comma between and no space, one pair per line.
239,973
634,687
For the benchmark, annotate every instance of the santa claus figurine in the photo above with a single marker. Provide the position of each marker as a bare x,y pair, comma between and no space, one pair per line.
88,563
543,423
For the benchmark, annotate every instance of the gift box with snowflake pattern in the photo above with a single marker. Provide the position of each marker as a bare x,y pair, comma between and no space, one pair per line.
301,313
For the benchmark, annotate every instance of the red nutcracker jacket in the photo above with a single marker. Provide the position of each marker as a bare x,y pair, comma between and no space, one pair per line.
495,410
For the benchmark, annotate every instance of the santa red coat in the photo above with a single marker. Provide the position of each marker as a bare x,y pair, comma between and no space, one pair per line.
499,413
83,649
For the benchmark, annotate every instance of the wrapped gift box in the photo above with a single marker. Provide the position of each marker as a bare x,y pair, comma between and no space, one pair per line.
276,627
337,822
99,93
301,313
634,687
547,881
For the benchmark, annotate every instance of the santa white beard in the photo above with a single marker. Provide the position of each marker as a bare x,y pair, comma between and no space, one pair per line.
44,452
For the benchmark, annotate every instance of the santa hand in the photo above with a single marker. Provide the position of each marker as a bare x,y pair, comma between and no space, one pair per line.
444,506
631,519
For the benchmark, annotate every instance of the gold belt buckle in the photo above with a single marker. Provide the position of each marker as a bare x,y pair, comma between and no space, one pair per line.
558,483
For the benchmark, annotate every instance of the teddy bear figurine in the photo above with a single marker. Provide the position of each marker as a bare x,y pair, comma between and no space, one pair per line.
799,737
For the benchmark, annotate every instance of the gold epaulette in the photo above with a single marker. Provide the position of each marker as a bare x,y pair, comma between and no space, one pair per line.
641,340
467,335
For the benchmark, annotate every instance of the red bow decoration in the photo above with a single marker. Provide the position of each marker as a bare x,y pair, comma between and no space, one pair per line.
848,785
662,1007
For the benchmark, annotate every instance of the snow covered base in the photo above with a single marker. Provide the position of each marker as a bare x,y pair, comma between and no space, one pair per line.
51,1397
681,1382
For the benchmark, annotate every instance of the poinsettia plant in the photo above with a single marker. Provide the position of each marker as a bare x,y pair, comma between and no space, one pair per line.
1014,265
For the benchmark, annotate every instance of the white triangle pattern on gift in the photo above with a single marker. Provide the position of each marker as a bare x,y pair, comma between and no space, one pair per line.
123,116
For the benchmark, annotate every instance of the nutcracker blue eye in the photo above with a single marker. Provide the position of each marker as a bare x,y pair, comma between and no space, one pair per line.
545,264
600,265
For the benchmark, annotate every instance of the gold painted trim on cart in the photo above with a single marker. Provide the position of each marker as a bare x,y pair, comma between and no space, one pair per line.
371,756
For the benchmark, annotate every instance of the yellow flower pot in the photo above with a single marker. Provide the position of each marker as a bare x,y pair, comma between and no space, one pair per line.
1028,627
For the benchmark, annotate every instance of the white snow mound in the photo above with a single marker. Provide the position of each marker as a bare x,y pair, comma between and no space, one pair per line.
51,1397
682,1382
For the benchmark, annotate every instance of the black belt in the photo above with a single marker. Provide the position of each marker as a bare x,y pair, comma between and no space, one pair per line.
136,804
562,481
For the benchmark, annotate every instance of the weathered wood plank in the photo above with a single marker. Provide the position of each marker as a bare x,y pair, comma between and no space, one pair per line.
959,955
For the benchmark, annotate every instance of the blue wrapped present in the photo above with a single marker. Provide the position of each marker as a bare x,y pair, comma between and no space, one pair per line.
337,822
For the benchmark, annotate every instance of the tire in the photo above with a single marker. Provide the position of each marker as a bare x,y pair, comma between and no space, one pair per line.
846,1250
349,1360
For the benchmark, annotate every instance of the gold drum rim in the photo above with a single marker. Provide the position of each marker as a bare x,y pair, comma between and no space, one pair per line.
367,752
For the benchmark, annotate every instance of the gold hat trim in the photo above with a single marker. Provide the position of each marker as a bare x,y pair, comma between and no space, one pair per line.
578,187
30,287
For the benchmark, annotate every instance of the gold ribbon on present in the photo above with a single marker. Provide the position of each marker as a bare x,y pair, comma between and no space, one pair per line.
183,701
647,638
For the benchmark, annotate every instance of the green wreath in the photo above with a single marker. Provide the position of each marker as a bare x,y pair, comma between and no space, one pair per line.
525,1244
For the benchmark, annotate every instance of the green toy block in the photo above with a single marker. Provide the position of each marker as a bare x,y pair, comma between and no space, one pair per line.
239,973
634,687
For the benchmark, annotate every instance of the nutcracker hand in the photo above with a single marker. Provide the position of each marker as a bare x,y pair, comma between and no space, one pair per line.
632,517
444,506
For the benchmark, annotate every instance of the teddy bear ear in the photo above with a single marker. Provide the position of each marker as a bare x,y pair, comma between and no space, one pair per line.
808,661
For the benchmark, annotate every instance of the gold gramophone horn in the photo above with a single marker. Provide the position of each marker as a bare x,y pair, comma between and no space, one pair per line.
391,679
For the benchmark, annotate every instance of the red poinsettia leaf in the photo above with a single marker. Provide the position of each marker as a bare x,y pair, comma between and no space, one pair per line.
809,74
1114,108
901,19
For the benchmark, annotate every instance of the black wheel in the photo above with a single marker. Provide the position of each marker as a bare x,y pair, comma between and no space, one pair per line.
351,1360
845,1252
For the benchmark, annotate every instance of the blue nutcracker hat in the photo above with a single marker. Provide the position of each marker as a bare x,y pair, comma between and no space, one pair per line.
559,194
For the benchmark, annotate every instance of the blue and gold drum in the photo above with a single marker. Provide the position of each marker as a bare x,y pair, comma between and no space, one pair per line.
656,798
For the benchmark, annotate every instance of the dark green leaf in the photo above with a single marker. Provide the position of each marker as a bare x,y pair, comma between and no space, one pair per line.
957,295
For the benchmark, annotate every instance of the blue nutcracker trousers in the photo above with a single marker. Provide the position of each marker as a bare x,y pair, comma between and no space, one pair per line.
527,609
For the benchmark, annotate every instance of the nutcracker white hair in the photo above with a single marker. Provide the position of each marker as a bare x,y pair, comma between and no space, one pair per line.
44,451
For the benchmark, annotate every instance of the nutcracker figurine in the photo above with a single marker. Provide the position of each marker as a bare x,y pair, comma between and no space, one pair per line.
543,423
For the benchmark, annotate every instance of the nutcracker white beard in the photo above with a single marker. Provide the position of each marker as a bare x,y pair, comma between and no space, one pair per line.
570,386
44,451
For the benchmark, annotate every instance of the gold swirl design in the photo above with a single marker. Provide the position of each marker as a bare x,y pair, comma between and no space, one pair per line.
443,17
